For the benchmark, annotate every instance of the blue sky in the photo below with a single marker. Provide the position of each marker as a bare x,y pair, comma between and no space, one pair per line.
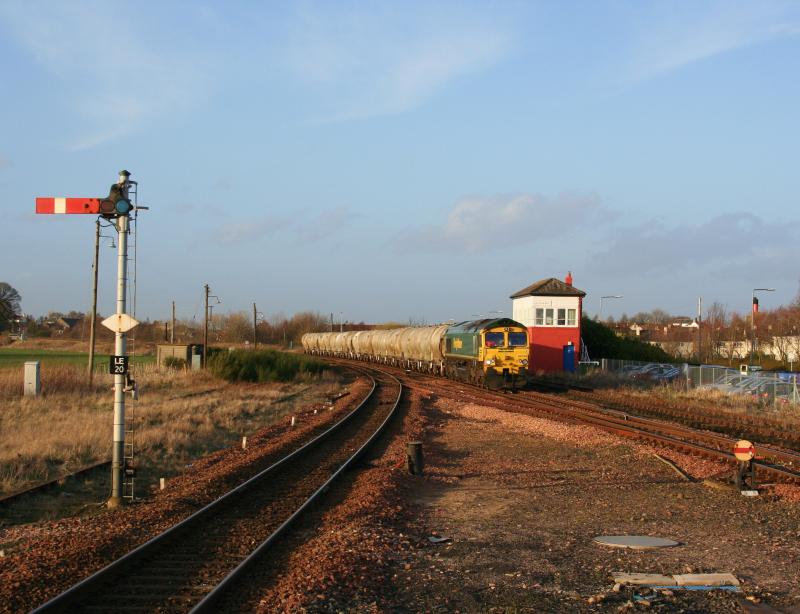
397,160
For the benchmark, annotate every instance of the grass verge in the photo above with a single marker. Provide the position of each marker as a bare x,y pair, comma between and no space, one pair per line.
180,416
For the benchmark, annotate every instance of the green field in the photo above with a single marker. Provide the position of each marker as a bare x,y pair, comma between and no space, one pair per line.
16,358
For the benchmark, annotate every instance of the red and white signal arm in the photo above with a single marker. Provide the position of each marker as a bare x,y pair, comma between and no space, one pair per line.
744,450
50,204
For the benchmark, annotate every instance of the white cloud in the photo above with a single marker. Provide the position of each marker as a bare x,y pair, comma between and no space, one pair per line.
302,225
739,244
671,39
112,80
483,223
366,64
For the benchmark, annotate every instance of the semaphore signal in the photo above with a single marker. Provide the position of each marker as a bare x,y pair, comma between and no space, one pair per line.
50,204
116,208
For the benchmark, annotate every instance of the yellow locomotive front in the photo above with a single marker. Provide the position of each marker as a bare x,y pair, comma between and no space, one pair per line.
504,355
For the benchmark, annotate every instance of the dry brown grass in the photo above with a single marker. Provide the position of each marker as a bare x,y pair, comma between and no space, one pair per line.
180,415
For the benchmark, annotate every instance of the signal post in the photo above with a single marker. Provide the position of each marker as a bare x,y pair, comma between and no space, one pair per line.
116,208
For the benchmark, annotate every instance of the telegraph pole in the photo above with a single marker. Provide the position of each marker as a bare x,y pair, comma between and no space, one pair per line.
172,330
255,327
205,326
93,322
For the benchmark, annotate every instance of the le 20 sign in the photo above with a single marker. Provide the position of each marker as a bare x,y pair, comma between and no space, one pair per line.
117,365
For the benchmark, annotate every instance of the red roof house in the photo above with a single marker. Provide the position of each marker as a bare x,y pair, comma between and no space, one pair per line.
551,310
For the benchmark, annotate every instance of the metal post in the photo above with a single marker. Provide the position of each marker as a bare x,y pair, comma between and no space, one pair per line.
120,349
255,327
753,321
205,326
172,330
700,330
93,322
414,461
752,329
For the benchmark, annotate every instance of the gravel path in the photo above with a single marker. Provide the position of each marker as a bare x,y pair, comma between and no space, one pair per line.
522,498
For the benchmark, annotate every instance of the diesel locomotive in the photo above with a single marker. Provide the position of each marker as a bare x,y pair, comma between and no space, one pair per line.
489,352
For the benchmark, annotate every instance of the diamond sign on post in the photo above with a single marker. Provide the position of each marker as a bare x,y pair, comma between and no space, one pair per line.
119,323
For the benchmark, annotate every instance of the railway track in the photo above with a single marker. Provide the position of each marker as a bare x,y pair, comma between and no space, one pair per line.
707,443
779,464
13,497
190,566
766,428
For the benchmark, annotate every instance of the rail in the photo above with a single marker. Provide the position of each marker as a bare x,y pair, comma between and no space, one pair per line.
97,580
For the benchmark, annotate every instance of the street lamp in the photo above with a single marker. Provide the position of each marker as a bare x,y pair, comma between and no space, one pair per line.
754,308
207,295
602,298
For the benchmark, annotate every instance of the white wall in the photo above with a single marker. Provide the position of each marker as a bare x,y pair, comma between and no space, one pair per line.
523,309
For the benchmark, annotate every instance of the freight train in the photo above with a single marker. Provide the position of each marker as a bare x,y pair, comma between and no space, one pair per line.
489,352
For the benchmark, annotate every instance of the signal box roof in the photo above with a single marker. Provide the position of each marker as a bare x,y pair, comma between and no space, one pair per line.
549,287
479,325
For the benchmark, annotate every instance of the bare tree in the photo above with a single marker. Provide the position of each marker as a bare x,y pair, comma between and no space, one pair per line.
716,323
9,303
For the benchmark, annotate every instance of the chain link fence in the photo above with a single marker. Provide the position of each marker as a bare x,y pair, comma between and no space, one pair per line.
779,389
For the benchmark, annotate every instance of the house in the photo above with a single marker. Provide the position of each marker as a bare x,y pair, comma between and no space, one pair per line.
551,310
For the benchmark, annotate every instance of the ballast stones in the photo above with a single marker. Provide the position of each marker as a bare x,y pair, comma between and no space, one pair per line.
635,542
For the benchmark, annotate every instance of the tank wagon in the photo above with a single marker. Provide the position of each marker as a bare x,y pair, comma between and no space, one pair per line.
488,352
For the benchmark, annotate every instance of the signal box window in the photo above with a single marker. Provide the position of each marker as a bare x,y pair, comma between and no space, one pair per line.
495,340
516,340
570,317
555,317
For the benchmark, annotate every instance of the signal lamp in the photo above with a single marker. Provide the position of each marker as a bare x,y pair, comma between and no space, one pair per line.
115,204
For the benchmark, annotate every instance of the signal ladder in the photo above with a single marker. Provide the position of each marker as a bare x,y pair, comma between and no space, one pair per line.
129,468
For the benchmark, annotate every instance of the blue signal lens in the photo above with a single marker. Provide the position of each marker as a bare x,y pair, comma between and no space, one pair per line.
123,206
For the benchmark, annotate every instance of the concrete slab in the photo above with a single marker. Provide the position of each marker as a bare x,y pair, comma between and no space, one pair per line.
706,579
643,579
635,542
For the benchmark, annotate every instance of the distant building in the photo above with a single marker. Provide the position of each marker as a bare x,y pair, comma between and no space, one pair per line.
68,323
551,310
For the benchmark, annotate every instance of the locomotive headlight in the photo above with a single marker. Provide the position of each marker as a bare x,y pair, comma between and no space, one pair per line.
524,361
490,362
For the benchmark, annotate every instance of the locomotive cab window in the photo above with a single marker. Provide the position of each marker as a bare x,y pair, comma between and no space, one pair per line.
517,340
495,340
